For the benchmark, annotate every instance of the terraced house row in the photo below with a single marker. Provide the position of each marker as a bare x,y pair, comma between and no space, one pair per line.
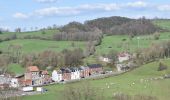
35,77
73,73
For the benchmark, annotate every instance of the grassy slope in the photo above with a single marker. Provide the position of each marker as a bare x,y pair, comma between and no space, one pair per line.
116,43
162,23
15,68
30,46
122,83
49,33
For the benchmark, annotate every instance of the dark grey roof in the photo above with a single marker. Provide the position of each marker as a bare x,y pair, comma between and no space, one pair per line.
73,69
95,66
65,70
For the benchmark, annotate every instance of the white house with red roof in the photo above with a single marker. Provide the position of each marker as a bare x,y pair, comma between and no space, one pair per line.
124,56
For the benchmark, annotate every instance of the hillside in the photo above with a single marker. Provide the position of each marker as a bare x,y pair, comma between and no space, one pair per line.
163,23
41,33
39,41
128,83
114,26
122,83
36,45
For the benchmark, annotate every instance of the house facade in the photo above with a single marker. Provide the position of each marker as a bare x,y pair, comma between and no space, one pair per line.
66,74
75,73
123,57
14,83
4,81
95,68
84,72
45,77
33,76
56,76
105,59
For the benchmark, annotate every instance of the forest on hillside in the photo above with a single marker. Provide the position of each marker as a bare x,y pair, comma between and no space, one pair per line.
109,26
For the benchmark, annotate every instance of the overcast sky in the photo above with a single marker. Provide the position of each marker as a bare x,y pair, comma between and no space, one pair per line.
42,13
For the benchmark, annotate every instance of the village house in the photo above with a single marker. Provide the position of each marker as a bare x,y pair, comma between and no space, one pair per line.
14,83
105,59
84,71
66,74
95,68
57,76
4,81
33,76
75,73
124,56
45,77
20,79
122,67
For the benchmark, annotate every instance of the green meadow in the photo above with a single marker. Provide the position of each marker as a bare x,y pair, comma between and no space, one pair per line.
36,46
118,43
47,33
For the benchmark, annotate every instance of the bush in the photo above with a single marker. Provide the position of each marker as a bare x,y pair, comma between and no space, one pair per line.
162,67
82,92
156,36
123,39
43,32
121,96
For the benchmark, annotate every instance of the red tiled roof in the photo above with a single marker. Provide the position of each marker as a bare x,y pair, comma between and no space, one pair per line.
123,54
33,69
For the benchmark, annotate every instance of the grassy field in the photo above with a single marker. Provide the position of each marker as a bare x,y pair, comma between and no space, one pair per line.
163,23
122,83
15,68
48,33
35,46
116,43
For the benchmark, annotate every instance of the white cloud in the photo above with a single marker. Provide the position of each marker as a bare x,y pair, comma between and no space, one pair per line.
137,4
66,11
80,9
20,15
106,7
164,8
46,1
52,11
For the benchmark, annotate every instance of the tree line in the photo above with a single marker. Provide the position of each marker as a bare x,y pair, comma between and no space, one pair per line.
154,52
53,59
110,26
136,27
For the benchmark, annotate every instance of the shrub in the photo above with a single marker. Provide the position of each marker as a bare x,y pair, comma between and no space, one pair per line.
121,96
156,36
162,67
